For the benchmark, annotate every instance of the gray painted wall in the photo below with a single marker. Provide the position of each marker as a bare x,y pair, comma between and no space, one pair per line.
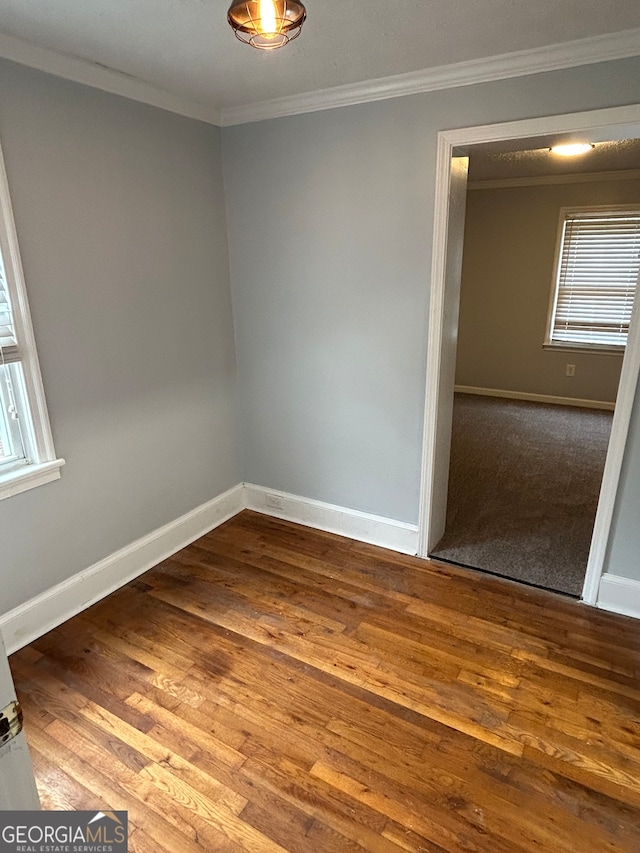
119,210
509,256
120,215
330,224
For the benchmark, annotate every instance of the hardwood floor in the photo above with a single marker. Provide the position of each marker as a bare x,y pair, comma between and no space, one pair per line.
273,688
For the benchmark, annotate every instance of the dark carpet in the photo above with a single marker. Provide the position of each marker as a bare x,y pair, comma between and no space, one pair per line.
523,489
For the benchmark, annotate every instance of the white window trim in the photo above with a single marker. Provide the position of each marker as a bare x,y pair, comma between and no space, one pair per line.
45,466
567,346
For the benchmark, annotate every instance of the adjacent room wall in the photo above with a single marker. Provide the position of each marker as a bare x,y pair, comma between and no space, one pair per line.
330,226
120,216
509,256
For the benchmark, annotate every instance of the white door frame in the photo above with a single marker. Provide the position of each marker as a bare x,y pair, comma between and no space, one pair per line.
623,122
17,783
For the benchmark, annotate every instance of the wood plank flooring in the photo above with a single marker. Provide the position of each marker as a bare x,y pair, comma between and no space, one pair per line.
274,688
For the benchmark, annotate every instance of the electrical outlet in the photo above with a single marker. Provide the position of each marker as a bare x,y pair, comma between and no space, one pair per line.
274,501
571,370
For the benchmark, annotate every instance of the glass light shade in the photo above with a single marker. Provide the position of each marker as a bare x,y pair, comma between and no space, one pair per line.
572,149
266,24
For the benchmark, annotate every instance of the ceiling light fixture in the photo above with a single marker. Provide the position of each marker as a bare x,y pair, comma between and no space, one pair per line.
266,24
572,149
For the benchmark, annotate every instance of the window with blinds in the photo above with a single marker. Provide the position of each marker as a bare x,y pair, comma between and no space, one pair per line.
27,456
8,345
596,278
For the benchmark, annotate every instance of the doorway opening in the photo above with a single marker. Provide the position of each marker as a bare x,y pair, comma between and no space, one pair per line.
524,481
500,143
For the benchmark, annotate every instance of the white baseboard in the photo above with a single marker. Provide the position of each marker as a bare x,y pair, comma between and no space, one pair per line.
535,398
363,526
620,595
51,608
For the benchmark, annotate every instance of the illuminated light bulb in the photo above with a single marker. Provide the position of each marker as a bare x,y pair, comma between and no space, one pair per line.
572,149
268,18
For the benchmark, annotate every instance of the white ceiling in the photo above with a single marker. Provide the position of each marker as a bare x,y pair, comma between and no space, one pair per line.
186,48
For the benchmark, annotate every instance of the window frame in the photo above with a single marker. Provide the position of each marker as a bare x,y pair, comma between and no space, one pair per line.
579,346
11,436
42,465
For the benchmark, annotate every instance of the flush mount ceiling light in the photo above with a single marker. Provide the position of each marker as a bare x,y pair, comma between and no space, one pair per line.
266,24
573,149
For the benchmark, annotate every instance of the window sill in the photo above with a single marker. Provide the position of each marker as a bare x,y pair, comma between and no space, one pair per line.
594,350
28,477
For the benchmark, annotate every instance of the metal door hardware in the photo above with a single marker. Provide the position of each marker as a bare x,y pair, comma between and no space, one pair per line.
10,722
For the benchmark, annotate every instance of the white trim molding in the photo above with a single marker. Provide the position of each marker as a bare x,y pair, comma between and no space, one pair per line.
363,526
100,77
535,398
625,120
29,477
428,528
555,57
549,180
54,606
619,595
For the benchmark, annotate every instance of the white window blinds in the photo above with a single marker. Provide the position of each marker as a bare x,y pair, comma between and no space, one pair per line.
596,280
8,343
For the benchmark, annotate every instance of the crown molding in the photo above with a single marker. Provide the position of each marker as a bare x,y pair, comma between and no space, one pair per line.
544,180
620,45
101,77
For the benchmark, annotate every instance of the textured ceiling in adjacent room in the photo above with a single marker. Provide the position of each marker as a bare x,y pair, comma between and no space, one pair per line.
488,163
